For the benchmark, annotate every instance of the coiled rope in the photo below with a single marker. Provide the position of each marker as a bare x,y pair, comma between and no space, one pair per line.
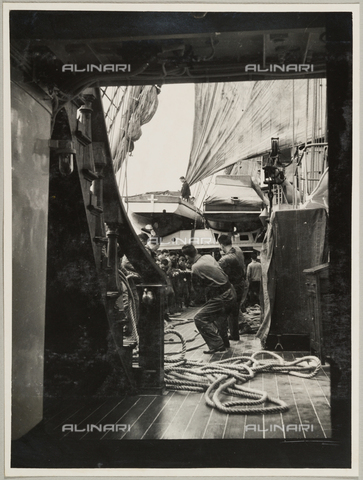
229,376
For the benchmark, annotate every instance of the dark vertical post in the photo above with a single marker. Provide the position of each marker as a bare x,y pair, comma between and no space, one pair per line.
100,163
339,104
151,337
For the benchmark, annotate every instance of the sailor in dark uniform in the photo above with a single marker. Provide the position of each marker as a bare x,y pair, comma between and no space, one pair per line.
185,190
233,264
211,320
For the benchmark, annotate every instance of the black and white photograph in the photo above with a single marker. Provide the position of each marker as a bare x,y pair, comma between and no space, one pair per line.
179,188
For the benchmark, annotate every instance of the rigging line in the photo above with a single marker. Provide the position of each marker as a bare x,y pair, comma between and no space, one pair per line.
208,115
320,112
126,181
127,154
108,114
110,110
293,144
122,124
206,190
202,133
117,108
314,139
225,139
326,117
229,136
111,99
293,114
125,125
199,189
306,141
124,114
113,123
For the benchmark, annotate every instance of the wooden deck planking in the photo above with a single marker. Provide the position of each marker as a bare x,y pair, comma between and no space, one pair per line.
273,423
58,416
215,430
165,418
323,380
235,427
306,411
316,405
285,393
217,422
131,417
320,405
306,414
110,414
70,415
89,412
198,423
147,418
185,415
322,402
254,427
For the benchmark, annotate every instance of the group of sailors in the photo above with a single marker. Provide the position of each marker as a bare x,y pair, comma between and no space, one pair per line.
227,286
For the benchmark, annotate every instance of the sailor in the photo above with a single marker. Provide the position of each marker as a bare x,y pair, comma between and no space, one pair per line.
185,189
185,277
254,274
169,296
233,264
211,320
145,240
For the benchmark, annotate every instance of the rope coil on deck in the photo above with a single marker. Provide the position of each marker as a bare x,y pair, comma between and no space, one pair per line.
228,376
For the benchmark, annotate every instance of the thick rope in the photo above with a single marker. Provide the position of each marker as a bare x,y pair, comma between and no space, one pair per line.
227,377
132,306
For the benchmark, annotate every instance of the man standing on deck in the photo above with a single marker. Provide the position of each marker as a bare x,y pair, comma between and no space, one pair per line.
254,275
211,320
185,189
233,264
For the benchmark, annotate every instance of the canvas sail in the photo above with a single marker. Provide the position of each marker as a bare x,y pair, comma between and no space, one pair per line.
236,121
127,109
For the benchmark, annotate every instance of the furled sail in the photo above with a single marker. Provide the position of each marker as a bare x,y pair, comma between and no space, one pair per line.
126,110
236,121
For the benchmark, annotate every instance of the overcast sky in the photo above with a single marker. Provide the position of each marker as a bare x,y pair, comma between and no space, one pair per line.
161,155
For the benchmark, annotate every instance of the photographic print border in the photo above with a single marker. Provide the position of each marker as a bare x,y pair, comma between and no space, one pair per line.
217,456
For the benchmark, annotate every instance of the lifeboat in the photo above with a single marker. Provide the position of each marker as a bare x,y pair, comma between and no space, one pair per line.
165,211
233,204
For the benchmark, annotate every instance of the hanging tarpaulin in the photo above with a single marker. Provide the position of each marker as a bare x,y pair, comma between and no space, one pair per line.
236,121
295,240
319,197
126,110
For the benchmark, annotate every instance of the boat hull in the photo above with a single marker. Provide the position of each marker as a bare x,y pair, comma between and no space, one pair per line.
167,214
234,204
239,223
228,218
